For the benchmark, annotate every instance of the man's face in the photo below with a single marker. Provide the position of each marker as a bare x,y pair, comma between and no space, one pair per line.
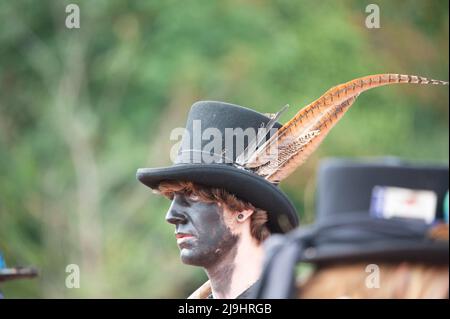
202,235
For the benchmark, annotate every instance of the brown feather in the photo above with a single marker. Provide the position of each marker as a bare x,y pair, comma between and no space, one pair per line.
320,115
324,125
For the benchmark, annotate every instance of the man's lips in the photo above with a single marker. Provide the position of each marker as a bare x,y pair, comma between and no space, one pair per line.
182,235
184,239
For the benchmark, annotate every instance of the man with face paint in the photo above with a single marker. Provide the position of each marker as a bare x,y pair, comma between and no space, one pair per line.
201,232
212,235
221,212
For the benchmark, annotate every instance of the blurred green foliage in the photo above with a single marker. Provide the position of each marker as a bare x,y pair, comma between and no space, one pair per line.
82,109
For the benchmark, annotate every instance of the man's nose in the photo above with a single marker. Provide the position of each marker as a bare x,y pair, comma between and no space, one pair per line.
175,217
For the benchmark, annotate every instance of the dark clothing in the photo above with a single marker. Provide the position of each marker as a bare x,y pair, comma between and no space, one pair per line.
246,294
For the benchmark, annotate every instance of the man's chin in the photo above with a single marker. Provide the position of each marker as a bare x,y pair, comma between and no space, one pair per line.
188,257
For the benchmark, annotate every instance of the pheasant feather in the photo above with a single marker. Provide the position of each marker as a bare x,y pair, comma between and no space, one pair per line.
292,144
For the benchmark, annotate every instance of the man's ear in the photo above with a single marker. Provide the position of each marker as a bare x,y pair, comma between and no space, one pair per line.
243,215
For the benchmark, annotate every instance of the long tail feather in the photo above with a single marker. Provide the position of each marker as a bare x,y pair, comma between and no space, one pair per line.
283,152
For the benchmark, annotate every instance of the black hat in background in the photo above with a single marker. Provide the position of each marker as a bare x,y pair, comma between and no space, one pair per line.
347,231
345,186
344,198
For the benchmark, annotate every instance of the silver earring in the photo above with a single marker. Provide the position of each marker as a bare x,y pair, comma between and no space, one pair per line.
240,216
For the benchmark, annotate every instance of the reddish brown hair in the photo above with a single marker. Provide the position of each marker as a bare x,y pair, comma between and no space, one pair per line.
258,220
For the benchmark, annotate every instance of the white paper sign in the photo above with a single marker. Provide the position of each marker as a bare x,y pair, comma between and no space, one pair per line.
389,202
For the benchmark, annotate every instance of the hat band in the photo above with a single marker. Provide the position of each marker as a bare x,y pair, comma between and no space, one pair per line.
216,159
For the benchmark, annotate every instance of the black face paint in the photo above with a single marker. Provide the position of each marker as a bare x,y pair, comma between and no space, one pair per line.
202,235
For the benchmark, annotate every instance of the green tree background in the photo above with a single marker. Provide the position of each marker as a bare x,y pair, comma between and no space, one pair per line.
82,109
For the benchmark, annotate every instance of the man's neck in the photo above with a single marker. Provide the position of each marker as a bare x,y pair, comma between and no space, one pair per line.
238,270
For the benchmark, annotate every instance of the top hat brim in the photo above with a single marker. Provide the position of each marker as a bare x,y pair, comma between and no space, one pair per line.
282,216
352,240
434,252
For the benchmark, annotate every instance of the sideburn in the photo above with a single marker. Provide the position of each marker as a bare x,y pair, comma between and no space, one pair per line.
224,264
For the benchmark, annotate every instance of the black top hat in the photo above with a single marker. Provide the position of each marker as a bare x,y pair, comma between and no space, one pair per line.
199,163
348,230
345,213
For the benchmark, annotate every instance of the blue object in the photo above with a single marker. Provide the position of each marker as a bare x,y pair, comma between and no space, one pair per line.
446,208
2,261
